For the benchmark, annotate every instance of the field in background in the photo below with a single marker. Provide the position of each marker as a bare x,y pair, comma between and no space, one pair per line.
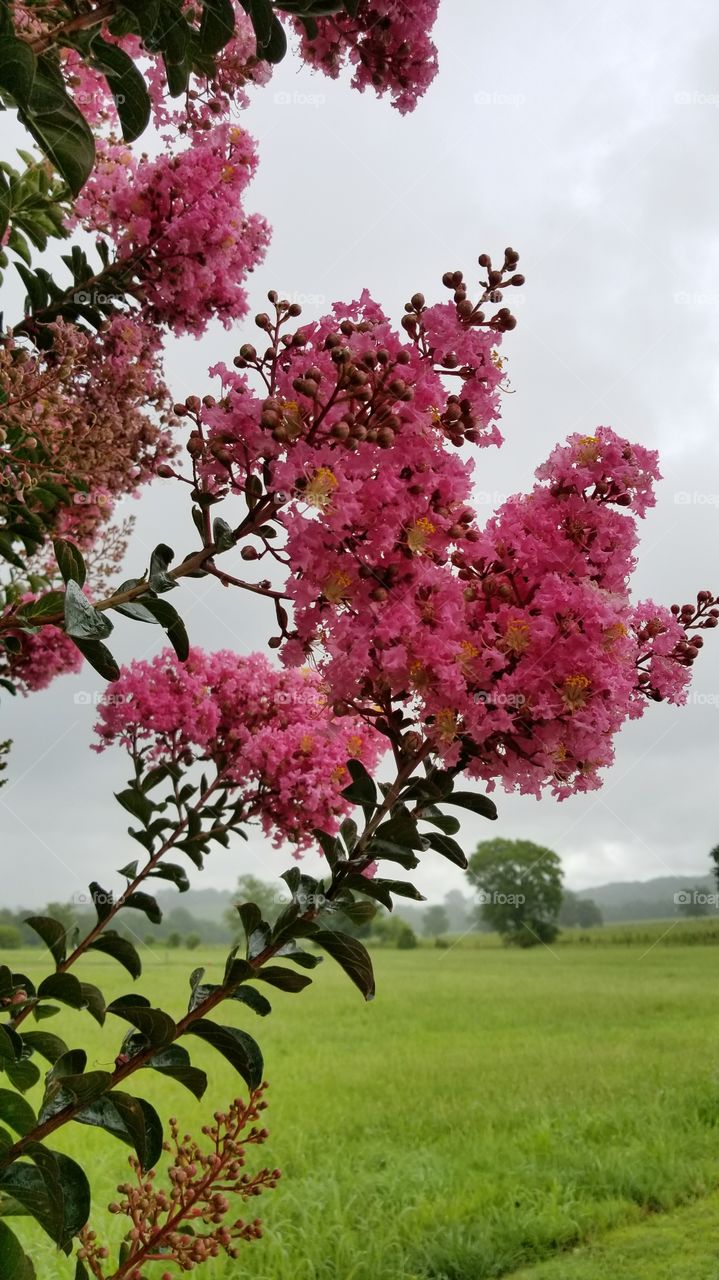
702,931
492,1108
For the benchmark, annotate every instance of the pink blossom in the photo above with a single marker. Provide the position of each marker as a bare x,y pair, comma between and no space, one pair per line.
268,732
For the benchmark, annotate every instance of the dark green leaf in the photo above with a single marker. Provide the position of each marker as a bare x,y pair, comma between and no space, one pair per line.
448,848
112,944
362,789
144,902
16,1112
82,621
103,900
175,1063
157,1026
69,561
17,68
477,803
94,1001
169,618
47,606
132,1120
217,26
126,85
283,979
23,1075
170,871
99,657
160,561
240,1049
352,956
63,987
58,127
52,933
14,1263
137,804
44,1042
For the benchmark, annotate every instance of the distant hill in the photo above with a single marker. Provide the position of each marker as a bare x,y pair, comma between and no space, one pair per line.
203,904
644,899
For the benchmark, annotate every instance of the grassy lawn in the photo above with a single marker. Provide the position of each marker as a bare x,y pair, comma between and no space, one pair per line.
489,1110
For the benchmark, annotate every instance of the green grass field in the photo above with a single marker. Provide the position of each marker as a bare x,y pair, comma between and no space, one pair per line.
539,1115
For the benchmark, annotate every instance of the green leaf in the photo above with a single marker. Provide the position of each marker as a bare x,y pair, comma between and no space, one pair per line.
175,1063
10,1045
69,1090
160,561
362,789
156,1025
253,999
112,944
63,987
17,68
351,956
47,606
94,1001
144,902
240,1049
23,1075
99,657
477,803
82,621
53,934
132,1120
58,127
217,26
126,85
69,561
137,804
448,848
275,48
283,979
16,1112
14,1263
170,871
44,1042
169,618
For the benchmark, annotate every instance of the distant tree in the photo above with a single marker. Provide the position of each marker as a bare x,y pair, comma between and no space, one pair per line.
10,937
459,910
520,889
435,921
192,941
579,912
714,858
65,912
692,902
406,937
392,931
173,940
267,896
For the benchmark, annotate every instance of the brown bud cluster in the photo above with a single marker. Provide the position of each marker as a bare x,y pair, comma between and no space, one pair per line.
188,1220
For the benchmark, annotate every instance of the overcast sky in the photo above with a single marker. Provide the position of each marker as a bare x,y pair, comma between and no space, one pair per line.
586,136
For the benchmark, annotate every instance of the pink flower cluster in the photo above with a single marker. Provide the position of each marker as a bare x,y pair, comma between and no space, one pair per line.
269,733
43,655
178,227
387,43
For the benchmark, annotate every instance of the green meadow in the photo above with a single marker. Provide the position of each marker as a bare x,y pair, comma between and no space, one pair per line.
544,1115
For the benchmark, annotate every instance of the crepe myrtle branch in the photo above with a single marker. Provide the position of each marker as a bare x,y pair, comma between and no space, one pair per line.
359,860
82,22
